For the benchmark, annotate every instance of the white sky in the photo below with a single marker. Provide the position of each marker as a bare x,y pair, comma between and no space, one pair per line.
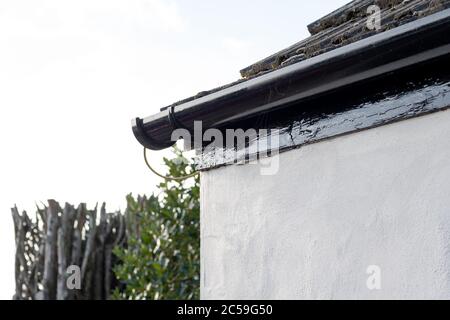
74,73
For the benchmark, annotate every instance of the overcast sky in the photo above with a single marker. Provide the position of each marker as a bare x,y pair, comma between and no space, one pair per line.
74,73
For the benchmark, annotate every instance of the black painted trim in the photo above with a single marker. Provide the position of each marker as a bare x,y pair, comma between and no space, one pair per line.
382,54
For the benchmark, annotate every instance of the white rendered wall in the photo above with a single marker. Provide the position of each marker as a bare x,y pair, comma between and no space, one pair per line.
378,197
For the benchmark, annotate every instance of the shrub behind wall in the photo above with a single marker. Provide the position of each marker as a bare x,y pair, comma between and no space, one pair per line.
162,259
152,251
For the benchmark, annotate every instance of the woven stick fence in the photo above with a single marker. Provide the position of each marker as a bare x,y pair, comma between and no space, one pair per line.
58,238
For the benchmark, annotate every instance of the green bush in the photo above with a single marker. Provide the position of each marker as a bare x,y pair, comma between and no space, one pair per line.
162,257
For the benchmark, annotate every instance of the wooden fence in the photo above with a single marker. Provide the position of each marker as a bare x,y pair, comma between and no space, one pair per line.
57,238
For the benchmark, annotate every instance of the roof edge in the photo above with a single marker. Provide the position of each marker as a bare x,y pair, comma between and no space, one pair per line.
384,53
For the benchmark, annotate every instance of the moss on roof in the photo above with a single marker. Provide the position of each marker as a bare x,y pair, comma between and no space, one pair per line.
344,26
337,29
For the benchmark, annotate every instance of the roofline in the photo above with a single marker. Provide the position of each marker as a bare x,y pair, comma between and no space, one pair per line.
381,54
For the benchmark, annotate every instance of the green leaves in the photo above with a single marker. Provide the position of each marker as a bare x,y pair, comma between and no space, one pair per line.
162,259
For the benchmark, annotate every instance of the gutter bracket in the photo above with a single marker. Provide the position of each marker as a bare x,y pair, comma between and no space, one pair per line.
174,122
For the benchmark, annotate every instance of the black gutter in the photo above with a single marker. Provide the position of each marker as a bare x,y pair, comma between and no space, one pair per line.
404,46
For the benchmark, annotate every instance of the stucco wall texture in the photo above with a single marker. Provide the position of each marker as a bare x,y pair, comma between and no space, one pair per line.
377,197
